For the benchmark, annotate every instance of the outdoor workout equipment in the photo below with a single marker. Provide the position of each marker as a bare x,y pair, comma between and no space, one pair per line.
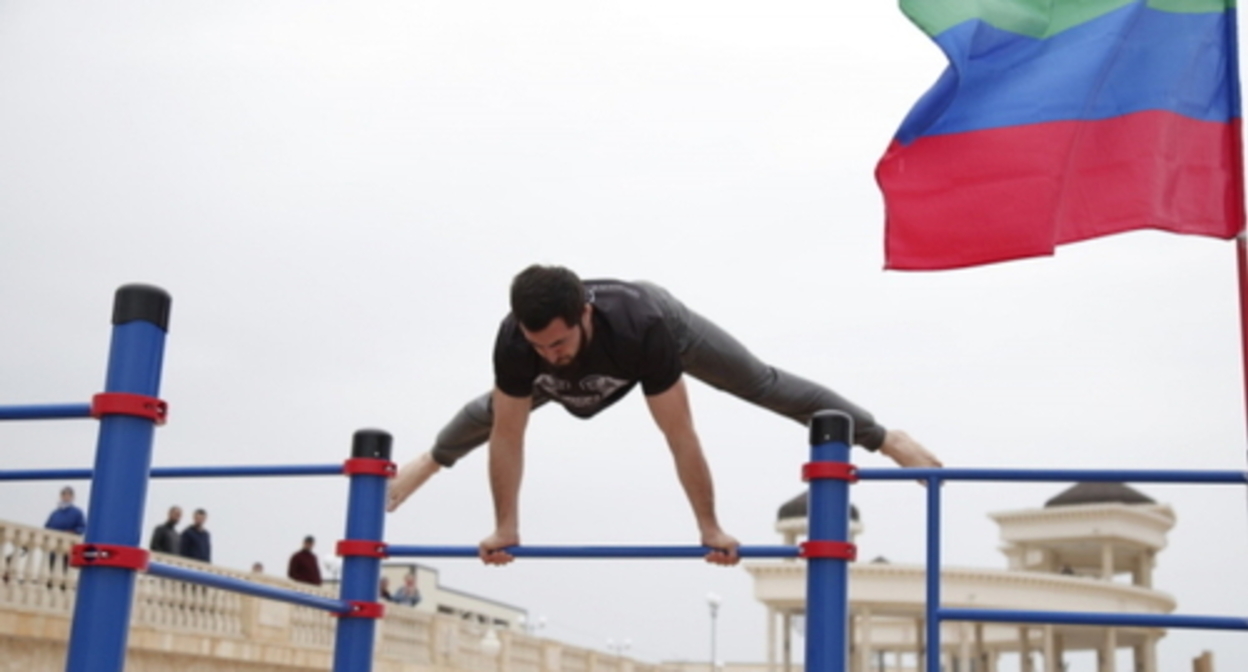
129,410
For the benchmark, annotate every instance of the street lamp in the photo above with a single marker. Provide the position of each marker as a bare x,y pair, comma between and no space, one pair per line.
713,601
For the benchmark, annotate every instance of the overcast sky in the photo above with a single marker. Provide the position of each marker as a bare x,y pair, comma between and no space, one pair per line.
337,195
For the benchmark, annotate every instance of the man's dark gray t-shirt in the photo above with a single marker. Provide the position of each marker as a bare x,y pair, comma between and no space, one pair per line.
630,344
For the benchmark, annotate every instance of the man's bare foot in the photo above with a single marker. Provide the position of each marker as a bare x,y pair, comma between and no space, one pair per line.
907,452
409,479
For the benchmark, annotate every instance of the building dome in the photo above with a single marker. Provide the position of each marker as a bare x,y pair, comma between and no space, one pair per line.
796,508
1098,493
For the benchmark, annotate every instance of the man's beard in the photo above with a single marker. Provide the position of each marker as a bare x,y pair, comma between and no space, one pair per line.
577,359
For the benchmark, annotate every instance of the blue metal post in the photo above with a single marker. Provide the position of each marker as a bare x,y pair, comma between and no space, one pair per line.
123,456
933,575
366,511
827,579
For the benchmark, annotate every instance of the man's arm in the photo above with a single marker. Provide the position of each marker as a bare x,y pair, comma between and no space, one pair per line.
511,417
670,410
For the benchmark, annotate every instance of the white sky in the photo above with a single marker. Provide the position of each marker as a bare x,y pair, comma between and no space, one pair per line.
336,196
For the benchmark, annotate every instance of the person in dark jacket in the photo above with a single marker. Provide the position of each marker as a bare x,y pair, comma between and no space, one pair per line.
304,567
165,538
195,543
66,517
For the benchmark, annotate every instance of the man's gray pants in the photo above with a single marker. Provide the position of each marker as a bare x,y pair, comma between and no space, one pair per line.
707,353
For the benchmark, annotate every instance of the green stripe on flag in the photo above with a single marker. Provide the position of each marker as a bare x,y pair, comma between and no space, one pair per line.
1034,18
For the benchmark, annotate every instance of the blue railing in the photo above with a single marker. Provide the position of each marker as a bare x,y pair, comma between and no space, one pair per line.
935,613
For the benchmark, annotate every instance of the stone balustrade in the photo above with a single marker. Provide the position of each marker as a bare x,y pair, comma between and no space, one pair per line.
177,625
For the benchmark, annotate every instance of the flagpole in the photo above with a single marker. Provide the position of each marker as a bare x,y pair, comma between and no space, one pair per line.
1241,254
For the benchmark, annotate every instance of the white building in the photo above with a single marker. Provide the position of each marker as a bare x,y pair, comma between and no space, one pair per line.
1090,548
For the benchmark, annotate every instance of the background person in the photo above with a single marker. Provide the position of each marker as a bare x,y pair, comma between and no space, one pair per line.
303,566
196,543
165,537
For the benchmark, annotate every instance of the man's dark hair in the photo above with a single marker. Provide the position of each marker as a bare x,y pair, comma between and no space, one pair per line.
539,294
309,539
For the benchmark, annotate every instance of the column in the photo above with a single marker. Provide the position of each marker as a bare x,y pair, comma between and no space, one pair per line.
771,639
981,655
919,651
787,623
1050,650
1107,562
864,646
1109,647
964,648
1024,650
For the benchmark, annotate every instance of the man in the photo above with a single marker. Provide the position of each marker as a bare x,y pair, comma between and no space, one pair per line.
304,567
587,344
408,593
165,538
66,517
196,544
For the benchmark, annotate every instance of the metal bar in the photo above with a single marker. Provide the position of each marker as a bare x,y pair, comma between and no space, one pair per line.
602,552
366,521
933,575
243,471
246,587
1042,475
827,579
946,474
123,456
181,472
45,412
1096,618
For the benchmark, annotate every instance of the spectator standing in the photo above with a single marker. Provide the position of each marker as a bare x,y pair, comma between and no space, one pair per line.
383,589
196,544
408,593
304,567
165,538
66,517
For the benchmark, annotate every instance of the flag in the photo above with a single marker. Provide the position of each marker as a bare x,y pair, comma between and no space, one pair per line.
1063,120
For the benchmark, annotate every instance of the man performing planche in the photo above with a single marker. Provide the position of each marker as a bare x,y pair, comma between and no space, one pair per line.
585,345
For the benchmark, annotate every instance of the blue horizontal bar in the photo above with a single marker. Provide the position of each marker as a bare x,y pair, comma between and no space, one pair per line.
181,472
246,471
1038,475
619,552
246,587
1094,618
45,412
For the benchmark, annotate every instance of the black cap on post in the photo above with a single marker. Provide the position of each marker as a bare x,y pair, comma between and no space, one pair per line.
145,303
831,426
371,443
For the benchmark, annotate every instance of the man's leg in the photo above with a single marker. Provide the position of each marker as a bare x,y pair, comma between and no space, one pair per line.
467,430
716,358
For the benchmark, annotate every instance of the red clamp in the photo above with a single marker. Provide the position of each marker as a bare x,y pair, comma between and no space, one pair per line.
125,403
839,550
369,466
841,471
108,555
368,549
361,609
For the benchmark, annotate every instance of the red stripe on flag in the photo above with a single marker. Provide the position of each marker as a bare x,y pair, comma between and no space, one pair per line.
986,196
